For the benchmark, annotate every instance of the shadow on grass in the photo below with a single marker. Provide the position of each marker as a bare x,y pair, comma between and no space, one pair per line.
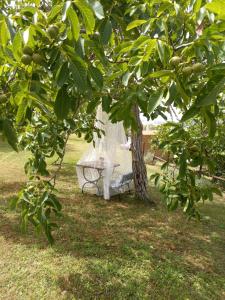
138,253
92,226
128,246
105,280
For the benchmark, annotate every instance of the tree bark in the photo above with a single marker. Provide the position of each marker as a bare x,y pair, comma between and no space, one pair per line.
138,164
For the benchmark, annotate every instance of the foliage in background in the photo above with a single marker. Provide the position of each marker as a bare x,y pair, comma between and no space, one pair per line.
207,153
192,156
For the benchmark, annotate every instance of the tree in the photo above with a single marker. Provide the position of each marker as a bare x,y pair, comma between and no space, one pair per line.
138,164
60,60
45,85
164,59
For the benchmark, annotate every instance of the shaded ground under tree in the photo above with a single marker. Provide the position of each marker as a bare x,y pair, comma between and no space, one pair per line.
120,249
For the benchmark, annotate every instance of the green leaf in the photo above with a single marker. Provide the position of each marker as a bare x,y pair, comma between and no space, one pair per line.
187,205
174,202
154,101
21,112
197,5
126,77
106,102
161,73
177,7
190,113
217,191
181,90
123,48
135,24
17,46
62,104
141,101
140,41
47,229
218,67
11,28
4,33
66,6
96,76
150,46
210,91
165,165
172,95
92,104
97,8
13,203
74,22
52,201
105,31
164,52
211,123
28,9
157,179
54,12
87,14
29,36
10,134
62,74
217,7
135,60
79,75
183,164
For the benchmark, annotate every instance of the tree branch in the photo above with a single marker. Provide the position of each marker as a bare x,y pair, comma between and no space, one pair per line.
53,178
183,46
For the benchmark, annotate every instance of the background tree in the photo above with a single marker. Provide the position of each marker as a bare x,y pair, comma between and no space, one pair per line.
45,85
169,55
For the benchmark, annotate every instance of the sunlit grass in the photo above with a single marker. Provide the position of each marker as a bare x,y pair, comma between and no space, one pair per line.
120,249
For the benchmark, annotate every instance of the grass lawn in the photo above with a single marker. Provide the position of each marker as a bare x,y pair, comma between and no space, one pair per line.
121,249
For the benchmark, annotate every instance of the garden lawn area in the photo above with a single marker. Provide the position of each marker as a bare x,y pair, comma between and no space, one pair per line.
120,249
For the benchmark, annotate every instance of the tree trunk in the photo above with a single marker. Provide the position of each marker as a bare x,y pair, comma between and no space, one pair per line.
138,164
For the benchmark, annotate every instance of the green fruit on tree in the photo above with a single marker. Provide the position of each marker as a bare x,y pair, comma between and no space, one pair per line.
53,31
175,60
194,148
26,59
3,97
27,50
187,70
37,58
198,67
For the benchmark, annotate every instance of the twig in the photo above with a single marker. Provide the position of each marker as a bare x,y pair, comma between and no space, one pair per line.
196,171
183,46
60,162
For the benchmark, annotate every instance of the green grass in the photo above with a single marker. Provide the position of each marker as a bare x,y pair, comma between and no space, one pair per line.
120,249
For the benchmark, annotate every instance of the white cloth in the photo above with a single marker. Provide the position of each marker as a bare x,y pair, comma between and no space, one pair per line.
112,150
